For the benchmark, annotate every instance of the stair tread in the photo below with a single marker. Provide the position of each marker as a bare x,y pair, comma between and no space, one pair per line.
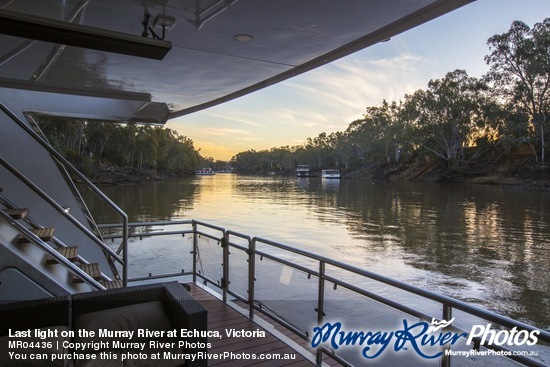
71,253
45,234
112,284
91,269
17,213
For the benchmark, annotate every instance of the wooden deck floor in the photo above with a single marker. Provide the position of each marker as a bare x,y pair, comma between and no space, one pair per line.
222,317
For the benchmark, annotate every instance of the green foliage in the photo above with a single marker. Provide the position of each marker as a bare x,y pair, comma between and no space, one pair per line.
445,116
520,72
126,145
507,107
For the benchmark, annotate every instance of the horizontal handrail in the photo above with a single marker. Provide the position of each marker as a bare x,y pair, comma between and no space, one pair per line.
146,224
463,306
84,179
148,234
448,303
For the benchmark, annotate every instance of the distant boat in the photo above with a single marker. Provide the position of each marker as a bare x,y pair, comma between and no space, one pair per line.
227,169
330,173
205,172
302,170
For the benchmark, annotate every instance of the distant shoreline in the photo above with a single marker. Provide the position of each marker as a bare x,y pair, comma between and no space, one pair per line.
517,171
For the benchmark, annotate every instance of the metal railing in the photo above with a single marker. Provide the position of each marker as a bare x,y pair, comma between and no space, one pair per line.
228,239
124,218
55,240
62,211
31,237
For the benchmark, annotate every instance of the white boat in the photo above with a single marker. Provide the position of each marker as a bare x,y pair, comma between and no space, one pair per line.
302,170
205,172
330,173
94,61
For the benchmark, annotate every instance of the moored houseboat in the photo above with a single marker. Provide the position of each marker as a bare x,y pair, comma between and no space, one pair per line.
330,173
302,170
205,172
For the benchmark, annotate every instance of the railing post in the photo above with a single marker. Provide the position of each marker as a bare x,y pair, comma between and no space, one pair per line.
225,264
125,246
447,315
195,250
251,275
320,308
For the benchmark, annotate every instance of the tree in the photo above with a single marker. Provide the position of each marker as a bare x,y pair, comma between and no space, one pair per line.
520,70
126,145
445,115
387,130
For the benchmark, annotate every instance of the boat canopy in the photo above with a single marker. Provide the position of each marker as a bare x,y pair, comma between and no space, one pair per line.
150,61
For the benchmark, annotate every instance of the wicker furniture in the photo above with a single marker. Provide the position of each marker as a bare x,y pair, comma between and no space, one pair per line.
51,314
34,314
131,304
183,311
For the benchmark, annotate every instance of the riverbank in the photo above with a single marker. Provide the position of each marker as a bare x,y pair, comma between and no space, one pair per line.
516,169
520,176
106,174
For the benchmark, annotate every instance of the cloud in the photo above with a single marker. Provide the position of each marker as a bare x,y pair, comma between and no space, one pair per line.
239,118
346,87
327,99
208,131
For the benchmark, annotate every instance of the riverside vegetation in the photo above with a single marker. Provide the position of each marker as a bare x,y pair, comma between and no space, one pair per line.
488,129
109,152
460,128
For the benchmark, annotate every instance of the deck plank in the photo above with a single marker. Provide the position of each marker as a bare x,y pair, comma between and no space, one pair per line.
327,359
222,317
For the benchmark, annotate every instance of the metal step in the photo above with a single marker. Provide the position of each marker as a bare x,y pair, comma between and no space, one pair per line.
19,213
90,269
45,234
71,253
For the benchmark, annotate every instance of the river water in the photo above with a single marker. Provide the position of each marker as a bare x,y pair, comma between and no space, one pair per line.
486,245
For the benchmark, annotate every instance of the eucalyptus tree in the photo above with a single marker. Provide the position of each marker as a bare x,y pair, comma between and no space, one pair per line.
63,134
380,134
356,135
98,135
520,70
444,116
344,151
387,127
321,149
245,162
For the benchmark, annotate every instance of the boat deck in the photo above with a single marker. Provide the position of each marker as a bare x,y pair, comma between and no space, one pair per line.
222,316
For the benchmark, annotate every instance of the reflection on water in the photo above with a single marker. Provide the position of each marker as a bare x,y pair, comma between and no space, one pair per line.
157,200
485,245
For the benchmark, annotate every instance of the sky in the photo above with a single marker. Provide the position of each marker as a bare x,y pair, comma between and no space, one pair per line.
329,98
